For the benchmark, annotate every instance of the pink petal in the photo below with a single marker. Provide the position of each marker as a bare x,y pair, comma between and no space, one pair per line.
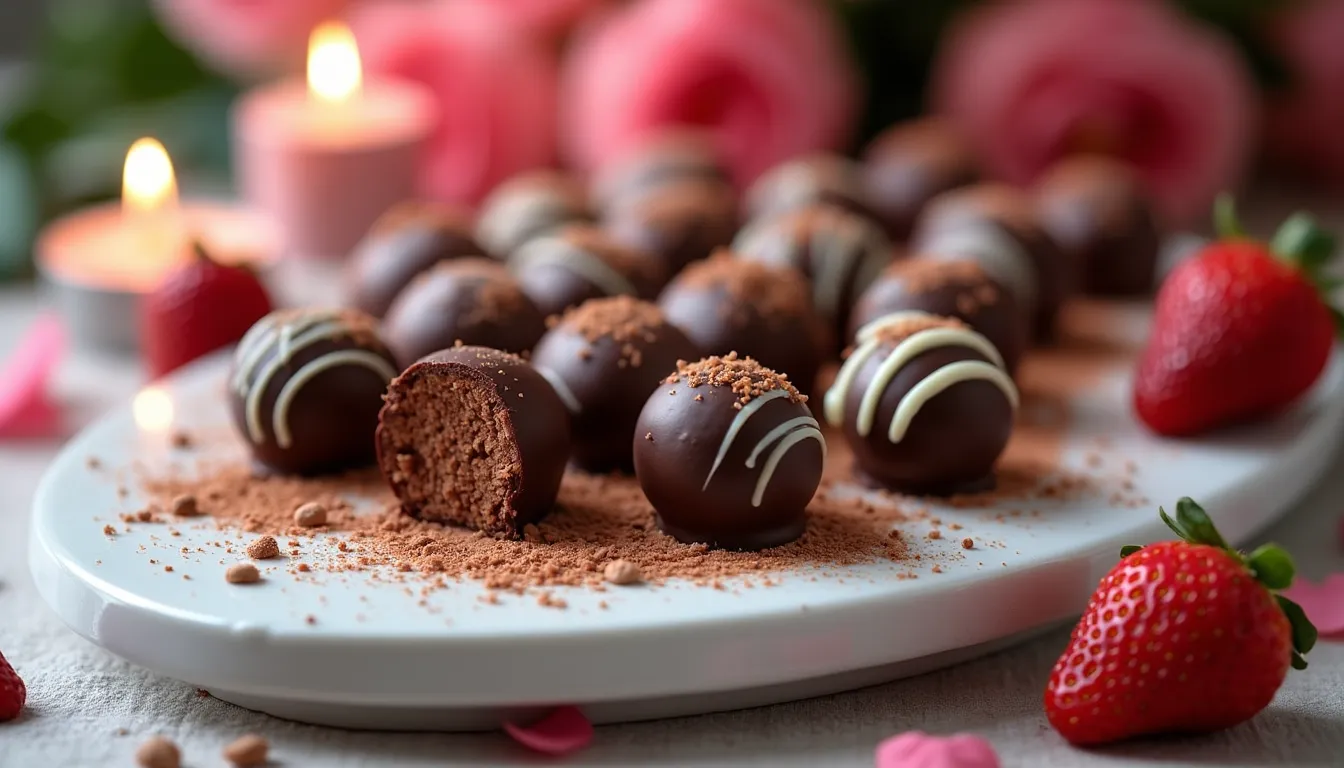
920,750
1323,603
562,732
25,409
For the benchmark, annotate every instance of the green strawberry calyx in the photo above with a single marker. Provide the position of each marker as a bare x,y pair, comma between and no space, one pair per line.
1269,564
1299,242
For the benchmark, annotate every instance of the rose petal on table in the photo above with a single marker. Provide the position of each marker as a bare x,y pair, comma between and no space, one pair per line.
25,409
562,732
1323,603
920,750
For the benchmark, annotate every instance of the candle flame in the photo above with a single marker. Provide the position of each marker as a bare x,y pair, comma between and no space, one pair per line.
334,72
148,183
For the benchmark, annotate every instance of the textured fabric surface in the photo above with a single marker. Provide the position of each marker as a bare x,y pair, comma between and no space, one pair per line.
80,697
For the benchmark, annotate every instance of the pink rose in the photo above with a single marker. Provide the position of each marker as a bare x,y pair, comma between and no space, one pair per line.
248,37
1031,81
1306,125
767,79
496,90
546,19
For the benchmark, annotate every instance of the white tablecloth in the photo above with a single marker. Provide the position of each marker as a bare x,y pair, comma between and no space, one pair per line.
81,698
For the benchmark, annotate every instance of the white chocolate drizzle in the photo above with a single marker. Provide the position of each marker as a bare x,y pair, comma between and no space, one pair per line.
908,349
788,434
271,344
997,252
562,389
556,251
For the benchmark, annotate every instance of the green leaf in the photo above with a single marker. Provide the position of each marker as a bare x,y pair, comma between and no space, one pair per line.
1172,524
1301,241
1225,221
1195,521
1339,321
1304,632
1298,662
1273,567
1129,549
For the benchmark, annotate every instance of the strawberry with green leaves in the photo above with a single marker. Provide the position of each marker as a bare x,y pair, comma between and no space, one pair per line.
1183,636
1240,330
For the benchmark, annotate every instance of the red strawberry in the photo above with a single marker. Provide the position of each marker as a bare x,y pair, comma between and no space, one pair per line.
12,691
1181,637
201,307
1240,329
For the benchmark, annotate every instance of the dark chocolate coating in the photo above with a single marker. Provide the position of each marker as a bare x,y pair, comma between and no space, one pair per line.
908,165
678,222
958,289
406,241
840,251
528,206
533,422
1095,208
998,210
670,157
609,377
579,262
677,439
953,442
472,301
336,370
807,180
721,314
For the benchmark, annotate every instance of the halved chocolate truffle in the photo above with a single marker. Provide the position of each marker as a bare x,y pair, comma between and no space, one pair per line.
925,404
1096,209
467,301
957,289
729,455
475,437
996,225
581,262
306,386
725,304
678,222
604,358
806,180
527,206
908,165
406,241
667,157
841,252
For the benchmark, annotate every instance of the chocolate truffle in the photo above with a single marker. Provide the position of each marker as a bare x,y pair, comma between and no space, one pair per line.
678,223
581,262
306,386
841,252
468,301
729,455
527,206
957,289
908,165
406,241
996,225
475,437
604,358
1095,208
666,157
725,304
925,404
803,181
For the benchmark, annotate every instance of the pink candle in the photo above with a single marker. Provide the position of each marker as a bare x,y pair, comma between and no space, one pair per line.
326,157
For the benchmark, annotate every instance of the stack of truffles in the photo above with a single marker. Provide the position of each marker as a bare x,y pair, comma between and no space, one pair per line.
653,321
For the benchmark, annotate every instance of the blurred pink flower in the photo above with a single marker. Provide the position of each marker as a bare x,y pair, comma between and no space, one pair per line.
1306,125
547,19
496,90
248,37
768,79
1031,81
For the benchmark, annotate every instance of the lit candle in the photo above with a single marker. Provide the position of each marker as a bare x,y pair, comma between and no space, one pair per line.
326,157
101,260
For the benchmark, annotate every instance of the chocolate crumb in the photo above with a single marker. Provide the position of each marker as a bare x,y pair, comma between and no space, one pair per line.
242,573
967,543
184,506
310,515
93,462
158,752
181,439
937,569
622,572
109,530
263,548
247,752
935,534
310,619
